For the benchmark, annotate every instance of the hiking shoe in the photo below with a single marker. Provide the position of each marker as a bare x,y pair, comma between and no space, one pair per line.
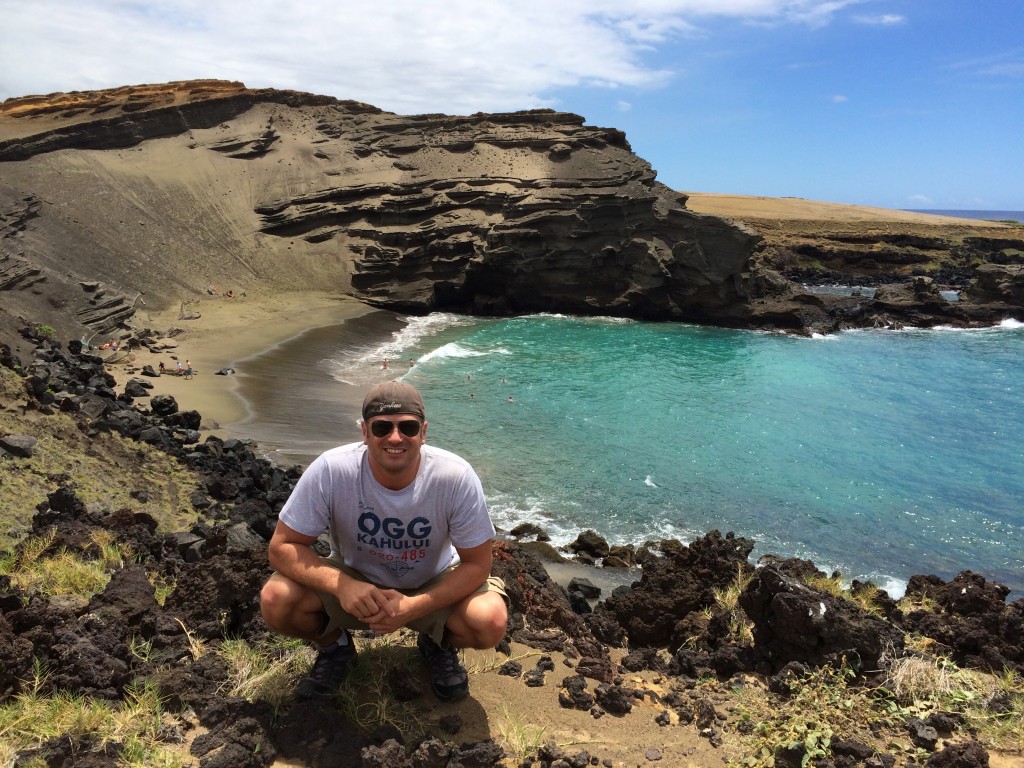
328,671
448,677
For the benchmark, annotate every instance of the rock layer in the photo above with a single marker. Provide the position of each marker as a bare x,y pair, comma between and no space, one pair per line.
156,189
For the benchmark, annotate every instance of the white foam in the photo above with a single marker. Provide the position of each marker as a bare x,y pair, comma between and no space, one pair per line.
415,330
649,481
452,350
361,366
896,588
1004,325
507,513
607,319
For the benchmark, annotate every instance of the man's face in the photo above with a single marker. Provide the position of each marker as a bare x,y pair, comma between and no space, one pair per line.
394,454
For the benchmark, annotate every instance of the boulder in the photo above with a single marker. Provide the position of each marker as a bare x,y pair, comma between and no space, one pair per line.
793,622
22,446
998,284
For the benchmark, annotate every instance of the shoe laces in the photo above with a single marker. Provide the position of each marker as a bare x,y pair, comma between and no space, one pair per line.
447,665
328,665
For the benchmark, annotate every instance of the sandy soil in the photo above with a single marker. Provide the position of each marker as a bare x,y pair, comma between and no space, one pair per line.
797,208
226,332
500,704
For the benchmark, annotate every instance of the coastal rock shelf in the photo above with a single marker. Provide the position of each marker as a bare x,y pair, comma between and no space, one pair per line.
161,191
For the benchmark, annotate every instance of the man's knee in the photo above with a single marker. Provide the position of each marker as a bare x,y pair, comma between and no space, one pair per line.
279,598
493,633
272,600
489,621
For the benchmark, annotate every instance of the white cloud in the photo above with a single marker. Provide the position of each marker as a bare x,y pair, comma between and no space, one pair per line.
1011,69
454,56
1008,63
623,106
884,19
920,200
839,99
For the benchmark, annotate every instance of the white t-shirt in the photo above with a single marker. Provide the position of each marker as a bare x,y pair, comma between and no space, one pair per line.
398,539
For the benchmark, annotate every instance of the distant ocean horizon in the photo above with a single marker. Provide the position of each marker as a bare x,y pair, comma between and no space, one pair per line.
983,215
877,454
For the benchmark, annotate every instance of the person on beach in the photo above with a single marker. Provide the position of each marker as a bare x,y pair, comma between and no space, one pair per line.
410,540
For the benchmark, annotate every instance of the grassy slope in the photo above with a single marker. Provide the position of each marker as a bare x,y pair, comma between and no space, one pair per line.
104,471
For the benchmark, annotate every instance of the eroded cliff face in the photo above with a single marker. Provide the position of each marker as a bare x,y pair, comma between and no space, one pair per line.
152,193
501,214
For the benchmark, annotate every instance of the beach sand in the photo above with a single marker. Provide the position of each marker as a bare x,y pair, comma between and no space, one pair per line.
227,332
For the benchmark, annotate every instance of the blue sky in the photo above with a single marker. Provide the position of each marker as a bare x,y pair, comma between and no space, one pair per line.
894,103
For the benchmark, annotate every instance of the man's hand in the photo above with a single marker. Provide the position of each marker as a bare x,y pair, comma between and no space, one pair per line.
365,601
402,609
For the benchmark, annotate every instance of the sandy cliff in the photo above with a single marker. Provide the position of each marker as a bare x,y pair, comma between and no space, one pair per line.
154,194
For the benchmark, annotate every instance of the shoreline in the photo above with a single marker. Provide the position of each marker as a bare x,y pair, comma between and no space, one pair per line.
280,397
231,331
228,332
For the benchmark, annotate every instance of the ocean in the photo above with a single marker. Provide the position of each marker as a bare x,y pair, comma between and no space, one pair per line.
983,215
878,454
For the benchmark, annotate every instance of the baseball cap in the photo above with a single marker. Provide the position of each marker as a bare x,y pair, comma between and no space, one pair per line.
392,397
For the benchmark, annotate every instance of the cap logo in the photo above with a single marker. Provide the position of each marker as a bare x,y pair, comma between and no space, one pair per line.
392,397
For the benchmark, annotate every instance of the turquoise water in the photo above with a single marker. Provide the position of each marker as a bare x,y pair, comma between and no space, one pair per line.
878,454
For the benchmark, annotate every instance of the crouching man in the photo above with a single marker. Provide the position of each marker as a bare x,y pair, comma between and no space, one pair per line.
410,547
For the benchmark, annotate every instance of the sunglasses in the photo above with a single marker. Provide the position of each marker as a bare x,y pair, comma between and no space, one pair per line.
409,428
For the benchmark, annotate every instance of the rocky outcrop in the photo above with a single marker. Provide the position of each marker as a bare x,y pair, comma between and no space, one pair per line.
867,256
125,117
682,582
971,619
90,646
541,213
793,622
897,271
998,284
17,273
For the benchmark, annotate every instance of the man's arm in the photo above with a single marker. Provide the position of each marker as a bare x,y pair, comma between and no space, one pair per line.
458,584
291,554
